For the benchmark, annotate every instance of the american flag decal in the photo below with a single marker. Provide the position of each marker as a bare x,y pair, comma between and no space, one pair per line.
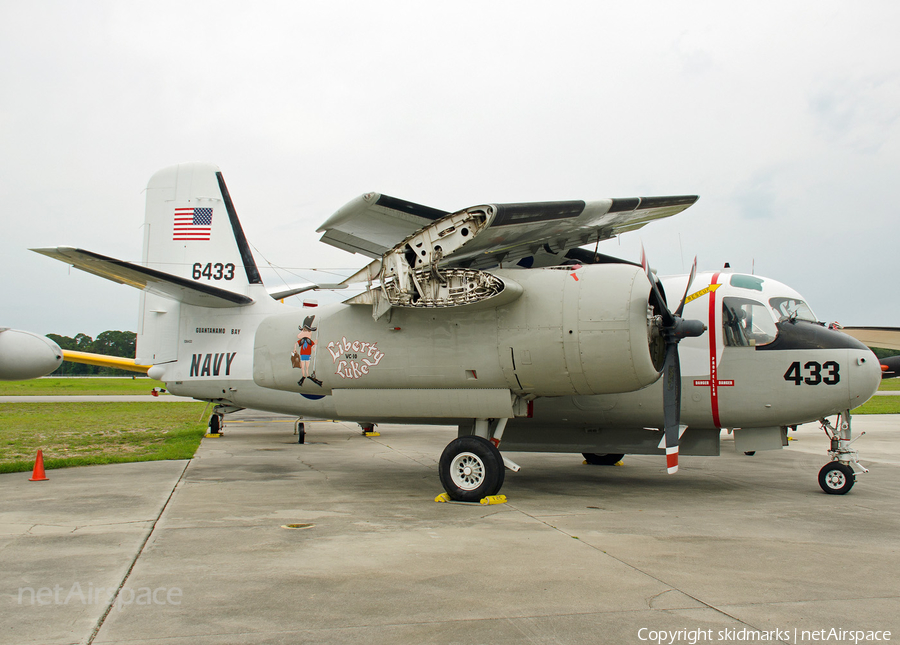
192,224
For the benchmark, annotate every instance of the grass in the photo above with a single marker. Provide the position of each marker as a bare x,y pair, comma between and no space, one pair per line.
882,404
889,385
83,434
66,386
879,405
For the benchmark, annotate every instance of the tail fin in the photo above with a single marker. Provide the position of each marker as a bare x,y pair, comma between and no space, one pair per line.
195,255
191,230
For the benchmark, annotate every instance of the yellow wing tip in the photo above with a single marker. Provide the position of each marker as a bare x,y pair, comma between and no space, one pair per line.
101,360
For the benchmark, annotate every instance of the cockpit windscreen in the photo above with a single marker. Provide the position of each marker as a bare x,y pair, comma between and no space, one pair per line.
791,308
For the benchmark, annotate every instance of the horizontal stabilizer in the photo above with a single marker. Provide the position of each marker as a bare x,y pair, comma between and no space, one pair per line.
146,279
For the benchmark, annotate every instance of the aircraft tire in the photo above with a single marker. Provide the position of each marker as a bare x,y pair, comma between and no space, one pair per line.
836,478
214,424
471,469
595,459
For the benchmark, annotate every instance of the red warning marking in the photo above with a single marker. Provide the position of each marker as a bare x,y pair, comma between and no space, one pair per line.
671,460
713,380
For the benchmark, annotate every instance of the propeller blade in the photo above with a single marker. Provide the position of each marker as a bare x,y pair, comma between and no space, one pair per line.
673,328
672,405
687,289
667,317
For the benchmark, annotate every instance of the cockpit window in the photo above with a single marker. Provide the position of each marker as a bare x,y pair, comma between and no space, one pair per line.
746,323
746,282
792,308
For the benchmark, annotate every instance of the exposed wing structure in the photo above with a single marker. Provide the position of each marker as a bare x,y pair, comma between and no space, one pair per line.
147,279
439,264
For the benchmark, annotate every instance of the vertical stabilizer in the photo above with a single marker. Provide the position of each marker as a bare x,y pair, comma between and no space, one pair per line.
191,230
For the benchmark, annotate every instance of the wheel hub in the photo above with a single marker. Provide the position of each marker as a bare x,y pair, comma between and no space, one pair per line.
835,479
467,471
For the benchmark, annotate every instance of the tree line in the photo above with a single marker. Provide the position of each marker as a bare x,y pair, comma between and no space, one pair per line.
108,343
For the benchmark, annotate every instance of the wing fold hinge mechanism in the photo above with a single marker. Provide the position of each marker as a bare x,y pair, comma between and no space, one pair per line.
410,275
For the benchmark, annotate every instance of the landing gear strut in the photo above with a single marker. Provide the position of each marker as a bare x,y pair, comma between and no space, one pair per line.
838,477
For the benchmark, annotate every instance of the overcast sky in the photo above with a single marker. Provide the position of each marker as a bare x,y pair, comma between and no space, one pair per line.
783,117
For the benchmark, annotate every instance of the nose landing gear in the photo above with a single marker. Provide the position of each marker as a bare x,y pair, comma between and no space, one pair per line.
837,477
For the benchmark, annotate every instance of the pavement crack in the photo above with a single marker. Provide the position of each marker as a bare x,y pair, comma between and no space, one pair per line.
140,551
90,526
655,596
314,469
429,463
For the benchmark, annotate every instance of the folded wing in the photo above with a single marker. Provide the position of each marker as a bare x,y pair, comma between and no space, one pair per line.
429,258
375,224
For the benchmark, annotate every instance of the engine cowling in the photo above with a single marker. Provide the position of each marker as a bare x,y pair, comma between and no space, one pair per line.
581,331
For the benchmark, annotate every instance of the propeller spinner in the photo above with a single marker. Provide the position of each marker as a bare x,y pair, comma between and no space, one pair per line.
672,329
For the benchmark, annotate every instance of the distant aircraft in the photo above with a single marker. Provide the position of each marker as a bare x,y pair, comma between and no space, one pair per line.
24,355
890,367
492,319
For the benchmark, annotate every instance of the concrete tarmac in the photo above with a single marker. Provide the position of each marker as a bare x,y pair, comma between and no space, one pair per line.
197,552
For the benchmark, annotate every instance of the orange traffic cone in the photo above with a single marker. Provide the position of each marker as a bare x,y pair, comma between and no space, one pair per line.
38,474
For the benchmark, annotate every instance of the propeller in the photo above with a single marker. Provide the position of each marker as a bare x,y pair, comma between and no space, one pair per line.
672,328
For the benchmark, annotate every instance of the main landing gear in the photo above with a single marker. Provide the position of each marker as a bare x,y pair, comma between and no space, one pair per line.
837,477
471,467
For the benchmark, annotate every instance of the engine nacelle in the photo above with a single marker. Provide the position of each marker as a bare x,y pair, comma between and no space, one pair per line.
571,331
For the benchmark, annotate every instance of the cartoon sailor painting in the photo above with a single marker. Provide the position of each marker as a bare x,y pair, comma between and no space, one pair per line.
304,349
